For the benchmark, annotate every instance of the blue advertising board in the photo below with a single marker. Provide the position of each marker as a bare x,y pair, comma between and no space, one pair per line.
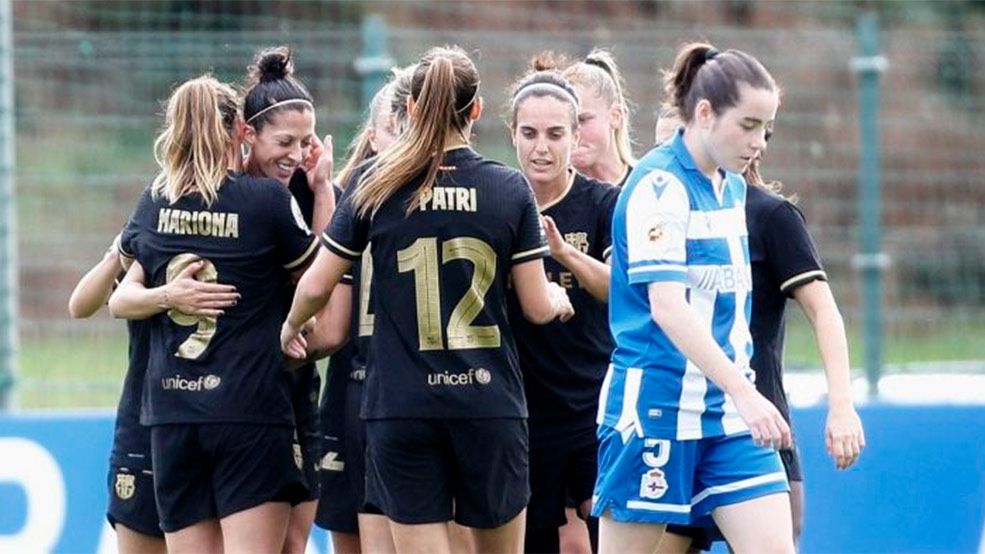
918,487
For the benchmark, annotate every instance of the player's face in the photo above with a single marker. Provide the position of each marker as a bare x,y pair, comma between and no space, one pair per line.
595,125
738,135
280,146
383,135
544,137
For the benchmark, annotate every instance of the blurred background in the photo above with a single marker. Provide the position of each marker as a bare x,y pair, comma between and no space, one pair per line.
89,77
879,137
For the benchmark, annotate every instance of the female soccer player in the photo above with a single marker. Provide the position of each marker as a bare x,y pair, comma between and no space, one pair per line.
132,511
343,473
785,264
683,431
605,149
222,432
280,134
563,363
446,430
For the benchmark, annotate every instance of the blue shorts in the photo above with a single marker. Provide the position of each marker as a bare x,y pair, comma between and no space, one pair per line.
131,499
655,480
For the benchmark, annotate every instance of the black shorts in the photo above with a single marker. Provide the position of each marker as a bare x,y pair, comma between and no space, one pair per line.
305,388
474,471
343,466
559,477
131,499
213,470
703,537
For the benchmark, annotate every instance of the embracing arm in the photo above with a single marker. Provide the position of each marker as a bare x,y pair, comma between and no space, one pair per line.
133,300
94,288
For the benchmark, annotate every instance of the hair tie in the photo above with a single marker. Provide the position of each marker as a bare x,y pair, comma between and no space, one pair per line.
472,101
711,54
599,64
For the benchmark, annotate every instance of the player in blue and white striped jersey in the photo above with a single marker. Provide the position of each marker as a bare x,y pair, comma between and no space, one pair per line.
683,432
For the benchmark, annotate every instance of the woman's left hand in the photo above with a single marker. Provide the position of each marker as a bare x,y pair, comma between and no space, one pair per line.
319,164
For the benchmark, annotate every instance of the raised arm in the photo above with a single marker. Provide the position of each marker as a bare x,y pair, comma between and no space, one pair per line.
591,273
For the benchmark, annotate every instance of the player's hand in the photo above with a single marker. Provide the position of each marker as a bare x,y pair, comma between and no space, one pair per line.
843,435
292,339
554,239
320,164
190,296
767,426
559,299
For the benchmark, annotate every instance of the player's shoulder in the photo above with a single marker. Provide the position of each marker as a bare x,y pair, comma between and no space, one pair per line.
762,203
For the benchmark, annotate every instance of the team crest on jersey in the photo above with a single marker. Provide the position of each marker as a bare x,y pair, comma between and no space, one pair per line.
653,485
578,239
125,485
656,232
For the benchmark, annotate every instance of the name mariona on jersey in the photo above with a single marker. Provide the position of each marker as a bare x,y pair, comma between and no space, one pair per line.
206,224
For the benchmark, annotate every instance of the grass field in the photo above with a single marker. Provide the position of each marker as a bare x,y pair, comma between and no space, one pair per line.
88,372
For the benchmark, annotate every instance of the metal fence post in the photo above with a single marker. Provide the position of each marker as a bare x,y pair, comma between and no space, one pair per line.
8,213
374,63
868,65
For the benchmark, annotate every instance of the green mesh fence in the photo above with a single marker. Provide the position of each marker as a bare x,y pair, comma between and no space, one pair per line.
90,77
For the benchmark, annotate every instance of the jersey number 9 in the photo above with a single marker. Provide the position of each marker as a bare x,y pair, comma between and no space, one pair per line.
194,346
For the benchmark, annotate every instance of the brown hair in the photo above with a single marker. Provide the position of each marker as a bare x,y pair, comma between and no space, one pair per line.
543,79
445,86
701,71
192,149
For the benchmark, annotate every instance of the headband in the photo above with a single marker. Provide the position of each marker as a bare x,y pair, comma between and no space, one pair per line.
601,65
279,104
548,84
711,54
472,101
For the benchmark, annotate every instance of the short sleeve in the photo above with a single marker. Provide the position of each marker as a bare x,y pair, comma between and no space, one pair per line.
656,225
130,232
348,233
530,241
296,244
790,251
605,210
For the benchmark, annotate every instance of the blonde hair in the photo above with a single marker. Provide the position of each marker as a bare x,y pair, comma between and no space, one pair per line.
599,72
361,147
192,149
445,86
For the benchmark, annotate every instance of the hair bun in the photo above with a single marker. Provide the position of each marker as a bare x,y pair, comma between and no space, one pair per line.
547,60
274,64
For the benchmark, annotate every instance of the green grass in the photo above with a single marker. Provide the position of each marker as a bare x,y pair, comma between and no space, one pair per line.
88,372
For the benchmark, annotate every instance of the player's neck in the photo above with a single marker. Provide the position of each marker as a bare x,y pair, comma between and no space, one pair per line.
608,169
547,193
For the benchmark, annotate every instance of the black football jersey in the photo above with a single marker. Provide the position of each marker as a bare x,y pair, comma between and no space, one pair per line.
783,257
229,368
441,343
564,363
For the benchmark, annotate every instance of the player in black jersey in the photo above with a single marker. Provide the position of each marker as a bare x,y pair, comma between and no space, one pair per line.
785,264
563,363
342,510
605,147
132,511
444,403
280,133
216,396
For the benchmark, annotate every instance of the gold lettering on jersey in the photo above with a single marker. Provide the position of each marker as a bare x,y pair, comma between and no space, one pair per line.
125,485
578,239
458,199
564,278
206,224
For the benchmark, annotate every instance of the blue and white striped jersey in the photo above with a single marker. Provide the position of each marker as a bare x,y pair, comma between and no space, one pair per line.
671,225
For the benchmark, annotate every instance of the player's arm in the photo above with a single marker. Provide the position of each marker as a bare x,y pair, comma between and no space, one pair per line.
844,435
133,300
541,300
675,317
94,288
313,292
591,273
331,330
